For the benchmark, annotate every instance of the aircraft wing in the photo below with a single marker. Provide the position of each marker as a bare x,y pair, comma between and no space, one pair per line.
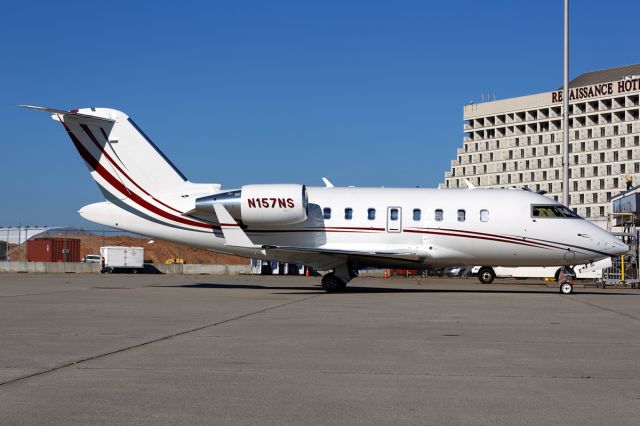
326,258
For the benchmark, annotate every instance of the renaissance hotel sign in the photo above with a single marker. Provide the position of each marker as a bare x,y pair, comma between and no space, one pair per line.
600,89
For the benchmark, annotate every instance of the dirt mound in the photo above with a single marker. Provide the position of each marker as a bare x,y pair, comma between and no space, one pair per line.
157,251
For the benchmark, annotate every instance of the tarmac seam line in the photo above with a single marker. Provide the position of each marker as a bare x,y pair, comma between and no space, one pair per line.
149,342
41,294
603,308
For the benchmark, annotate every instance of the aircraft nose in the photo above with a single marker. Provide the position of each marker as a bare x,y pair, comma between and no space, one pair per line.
615,247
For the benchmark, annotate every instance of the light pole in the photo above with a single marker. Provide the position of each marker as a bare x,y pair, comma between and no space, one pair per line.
565,110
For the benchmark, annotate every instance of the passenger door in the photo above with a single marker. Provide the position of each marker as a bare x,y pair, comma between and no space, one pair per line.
394,219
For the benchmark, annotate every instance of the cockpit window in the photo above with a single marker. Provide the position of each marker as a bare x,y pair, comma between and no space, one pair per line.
550,210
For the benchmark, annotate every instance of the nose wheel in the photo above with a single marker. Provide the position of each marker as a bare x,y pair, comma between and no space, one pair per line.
565,279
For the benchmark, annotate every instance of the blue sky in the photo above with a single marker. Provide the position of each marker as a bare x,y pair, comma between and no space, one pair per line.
366,93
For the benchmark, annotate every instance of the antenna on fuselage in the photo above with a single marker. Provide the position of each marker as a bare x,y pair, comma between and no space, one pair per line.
327,182
469,184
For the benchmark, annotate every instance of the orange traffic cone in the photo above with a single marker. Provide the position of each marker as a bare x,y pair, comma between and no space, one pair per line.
385,274
306,271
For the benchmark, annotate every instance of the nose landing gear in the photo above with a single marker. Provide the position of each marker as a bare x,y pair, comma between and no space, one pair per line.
565,279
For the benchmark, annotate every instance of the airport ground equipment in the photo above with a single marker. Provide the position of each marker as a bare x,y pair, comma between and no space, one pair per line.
624,270
122,258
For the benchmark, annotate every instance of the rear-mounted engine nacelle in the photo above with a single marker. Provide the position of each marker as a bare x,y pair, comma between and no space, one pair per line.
265,205
284,204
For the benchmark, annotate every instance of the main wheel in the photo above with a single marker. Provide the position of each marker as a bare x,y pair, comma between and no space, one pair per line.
566,288
486,275
331,283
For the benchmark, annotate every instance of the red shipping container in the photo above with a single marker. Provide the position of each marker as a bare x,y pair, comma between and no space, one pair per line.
53,250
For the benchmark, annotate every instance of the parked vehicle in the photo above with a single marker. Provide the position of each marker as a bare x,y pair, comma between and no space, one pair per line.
118,258
92,258
590,271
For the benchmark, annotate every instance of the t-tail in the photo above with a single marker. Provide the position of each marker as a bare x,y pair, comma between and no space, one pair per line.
130,170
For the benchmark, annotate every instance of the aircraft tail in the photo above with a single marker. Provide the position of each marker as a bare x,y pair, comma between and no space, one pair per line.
120,157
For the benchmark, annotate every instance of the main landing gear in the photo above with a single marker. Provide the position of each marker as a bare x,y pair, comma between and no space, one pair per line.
565,279
338,279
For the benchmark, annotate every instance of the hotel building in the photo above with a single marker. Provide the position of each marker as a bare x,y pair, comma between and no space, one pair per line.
517,142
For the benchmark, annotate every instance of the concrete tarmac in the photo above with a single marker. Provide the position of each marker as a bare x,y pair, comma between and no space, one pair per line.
173,349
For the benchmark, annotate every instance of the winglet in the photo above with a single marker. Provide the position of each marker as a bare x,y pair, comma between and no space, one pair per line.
233,234
327,182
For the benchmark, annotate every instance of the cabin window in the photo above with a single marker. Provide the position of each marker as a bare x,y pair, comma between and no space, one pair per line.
551,210
326,213
484,215
393,214
416,214
371,214
439,215
461,215
348,213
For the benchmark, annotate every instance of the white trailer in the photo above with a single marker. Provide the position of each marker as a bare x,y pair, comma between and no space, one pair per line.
121,258
589,271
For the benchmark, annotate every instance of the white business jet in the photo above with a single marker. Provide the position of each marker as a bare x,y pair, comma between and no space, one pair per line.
328,228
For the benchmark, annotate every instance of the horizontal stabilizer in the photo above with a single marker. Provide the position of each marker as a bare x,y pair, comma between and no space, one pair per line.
71,113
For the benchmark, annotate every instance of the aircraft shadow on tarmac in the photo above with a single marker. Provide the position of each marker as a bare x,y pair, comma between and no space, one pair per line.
316,288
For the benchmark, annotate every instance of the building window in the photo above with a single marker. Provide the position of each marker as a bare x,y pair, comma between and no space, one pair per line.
615,130
575,185
629,154
601,131
371,214
609,170
601,183
622,168
615,182
629,128
461,215
594,198
608,143
602,157
439,215
601,210
588,158
589,185
595,170
553,137
623,141
348,213
484,215
528,140
576,135
557,149
595,145
326,213
588,212
636,140
590,133
416,214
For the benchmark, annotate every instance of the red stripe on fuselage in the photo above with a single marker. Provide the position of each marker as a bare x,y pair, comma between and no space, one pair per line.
103,151
95,164
477,237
